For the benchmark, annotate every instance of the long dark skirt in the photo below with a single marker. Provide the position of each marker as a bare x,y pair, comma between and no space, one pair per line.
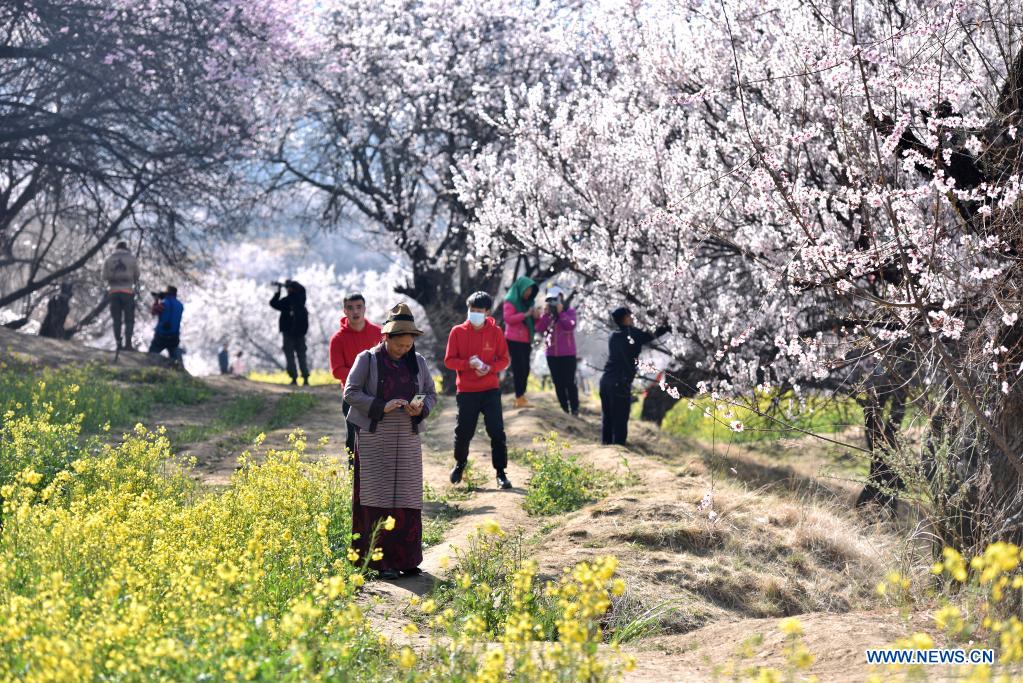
402,546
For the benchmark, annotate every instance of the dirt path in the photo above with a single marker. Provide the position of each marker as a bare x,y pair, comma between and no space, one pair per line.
387,600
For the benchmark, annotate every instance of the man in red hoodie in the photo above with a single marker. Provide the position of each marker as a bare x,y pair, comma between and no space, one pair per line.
477,352
355,336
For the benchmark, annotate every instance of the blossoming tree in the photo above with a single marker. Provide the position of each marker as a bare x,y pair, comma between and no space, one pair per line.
126,118
815,196
401,95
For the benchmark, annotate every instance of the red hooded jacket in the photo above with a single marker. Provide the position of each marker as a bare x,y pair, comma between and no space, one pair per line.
488,343
346,344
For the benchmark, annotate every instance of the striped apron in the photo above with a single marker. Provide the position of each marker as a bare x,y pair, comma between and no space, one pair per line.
391,464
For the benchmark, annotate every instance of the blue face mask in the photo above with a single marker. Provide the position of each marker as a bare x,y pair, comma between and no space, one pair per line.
476,318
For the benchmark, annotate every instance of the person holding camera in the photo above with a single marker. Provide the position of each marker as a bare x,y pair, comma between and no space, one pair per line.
167,335
557,325
293,325
391,392
519,319
624,347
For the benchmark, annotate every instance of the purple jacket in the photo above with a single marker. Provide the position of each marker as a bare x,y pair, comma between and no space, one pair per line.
558,337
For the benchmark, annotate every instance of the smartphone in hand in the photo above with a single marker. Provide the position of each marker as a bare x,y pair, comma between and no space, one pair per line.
417,400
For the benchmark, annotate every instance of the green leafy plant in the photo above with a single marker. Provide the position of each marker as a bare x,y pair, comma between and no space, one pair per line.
559,482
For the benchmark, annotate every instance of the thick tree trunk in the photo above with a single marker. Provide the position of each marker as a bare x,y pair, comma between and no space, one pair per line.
684,378
656,404
442,318
975,478
1006,485
1004,490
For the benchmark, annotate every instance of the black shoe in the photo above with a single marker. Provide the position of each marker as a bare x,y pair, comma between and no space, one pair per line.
305,381
415,571
389,574
456,473
502,481
294,382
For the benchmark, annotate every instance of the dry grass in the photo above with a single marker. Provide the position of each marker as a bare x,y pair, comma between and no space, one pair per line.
779,544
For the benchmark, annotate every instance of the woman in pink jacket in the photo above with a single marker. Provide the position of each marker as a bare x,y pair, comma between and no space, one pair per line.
557,325
519,318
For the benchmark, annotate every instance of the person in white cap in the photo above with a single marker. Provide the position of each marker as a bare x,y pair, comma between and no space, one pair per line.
557,325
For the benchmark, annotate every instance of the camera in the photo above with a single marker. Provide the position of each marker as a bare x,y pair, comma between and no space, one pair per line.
158,295
279,283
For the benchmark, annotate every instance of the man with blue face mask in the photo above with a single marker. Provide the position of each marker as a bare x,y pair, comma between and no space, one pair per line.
477,352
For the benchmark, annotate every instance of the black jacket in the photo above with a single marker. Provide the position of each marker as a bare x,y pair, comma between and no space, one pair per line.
294,320
623,349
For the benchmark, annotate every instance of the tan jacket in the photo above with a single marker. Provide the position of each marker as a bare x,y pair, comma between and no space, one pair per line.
121,271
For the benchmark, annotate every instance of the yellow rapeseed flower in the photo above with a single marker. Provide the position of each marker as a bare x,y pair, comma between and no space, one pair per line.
921,641
947,617
389,523
407,658
491,527
790,626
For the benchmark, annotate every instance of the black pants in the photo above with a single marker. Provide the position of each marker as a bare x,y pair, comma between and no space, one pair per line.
170,342
122,306
563,376
470,405
519,353
294,345
615,403
350,431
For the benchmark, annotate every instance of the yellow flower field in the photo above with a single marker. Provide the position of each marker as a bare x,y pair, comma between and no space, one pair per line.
116,565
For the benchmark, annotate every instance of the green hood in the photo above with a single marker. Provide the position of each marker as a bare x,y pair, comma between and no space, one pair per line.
514,296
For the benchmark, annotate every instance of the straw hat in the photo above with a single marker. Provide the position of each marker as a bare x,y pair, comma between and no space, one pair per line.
401,321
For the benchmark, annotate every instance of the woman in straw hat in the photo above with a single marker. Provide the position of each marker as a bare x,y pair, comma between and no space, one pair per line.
388,455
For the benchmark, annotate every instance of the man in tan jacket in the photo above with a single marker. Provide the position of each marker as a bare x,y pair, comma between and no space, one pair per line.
121,272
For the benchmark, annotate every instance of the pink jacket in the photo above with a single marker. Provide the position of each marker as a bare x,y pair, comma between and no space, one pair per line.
515,324
559,337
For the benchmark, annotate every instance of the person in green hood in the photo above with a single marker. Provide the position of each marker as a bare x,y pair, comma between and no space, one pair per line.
519,318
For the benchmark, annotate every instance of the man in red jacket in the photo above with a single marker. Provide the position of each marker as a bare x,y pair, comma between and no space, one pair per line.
355,336
477,352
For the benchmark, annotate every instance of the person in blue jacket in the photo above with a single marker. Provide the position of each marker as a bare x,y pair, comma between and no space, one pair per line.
167,335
